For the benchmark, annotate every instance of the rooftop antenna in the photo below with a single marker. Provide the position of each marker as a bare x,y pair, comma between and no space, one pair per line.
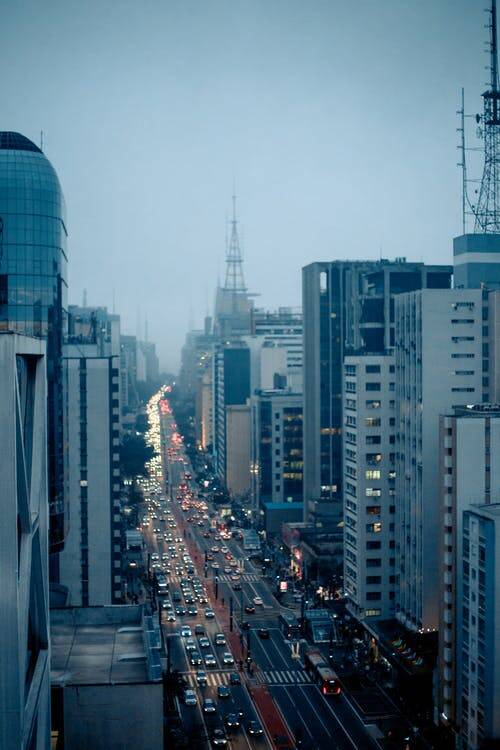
113,300
146,329
487,209
41,140
84,300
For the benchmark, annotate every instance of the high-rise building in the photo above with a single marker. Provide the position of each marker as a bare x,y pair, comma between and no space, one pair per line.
238,450
90,564
24,646
478,624
283,328
33,292
439,365
231,386
348,307
277,460
369,485
469,475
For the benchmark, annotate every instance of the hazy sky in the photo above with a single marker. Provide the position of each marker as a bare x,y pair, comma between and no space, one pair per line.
336,118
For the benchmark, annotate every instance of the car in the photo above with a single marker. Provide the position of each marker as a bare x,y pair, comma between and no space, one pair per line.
249,609
233,563
245,625
201,677
190,644
227,570
234,576
192,611
223,691
210,614
166,604
232,721
258,601
190,698
195,658
186,631
220,639
180,611
234,678
237,586
214,549
263,633
254,729
204,642
209,706
215,566
219,738
227,658
199,629
171,616
210,660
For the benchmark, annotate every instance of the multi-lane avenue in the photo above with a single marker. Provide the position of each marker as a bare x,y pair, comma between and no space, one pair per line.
221,625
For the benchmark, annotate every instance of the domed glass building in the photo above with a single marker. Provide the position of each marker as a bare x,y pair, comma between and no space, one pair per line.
33,281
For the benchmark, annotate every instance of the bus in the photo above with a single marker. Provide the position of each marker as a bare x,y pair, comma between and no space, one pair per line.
316,666
289,626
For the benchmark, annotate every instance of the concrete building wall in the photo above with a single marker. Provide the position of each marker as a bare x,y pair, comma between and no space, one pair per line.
369,485
24,645
90,562
470,475
131,714
238,456
439,364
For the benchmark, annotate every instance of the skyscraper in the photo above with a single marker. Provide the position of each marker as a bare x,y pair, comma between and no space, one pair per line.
348,307
33,290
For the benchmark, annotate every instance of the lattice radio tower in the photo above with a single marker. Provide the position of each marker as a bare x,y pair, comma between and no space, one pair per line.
235,281
486,210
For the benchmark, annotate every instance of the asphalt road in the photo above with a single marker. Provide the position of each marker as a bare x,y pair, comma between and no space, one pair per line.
317,722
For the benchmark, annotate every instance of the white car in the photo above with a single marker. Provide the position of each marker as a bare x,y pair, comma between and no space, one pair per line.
190,698
186,631
258,601
227,658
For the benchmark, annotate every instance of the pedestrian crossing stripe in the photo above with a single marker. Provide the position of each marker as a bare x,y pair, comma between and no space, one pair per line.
214,679
284,677
248,577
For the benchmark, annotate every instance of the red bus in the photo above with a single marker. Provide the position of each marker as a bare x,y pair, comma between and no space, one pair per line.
321,672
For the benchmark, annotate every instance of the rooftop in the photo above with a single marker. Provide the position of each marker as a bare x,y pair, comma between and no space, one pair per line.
10,141
100,645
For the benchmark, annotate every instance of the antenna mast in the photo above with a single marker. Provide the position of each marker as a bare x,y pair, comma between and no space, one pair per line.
234,260
487,210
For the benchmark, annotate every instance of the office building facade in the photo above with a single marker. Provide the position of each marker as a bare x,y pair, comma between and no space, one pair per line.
90,564
348,307
439,365
33,287
231,387
478,624
369,485
469,476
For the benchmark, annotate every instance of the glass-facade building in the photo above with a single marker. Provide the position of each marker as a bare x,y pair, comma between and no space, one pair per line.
33,286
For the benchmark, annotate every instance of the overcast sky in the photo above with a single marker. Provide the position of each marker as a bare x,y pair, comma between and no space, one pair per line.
336,118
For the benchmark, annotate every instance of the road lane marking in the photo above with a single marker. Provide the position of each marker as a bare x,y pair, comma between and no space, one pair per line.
315,712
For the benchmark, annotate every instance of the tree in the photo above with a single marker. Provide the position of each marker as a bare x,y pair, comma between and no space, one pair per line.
134,454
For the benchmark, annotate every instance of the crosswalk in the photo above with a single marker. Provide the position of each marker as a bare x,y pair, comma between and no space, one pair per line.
284,677
214,679
249,577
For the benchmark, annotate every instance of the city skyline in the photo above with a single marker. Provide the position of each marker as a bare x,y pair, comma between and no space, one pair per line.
342,118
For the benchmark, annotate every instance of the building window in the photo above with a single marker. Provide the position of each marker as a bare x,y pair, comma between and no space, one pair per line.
372,421
372,474
372,386
373,403
373,492
372,369
373,440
